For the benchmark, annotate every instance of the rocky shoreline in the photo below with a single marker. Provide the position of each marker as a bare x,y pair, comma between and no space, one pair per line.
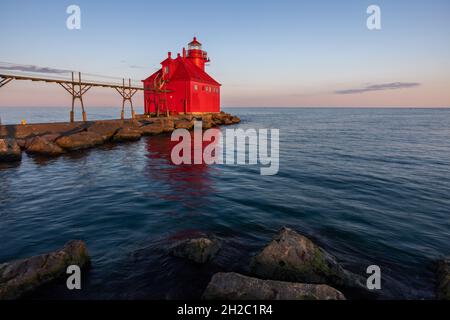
290,267
22,276
55,139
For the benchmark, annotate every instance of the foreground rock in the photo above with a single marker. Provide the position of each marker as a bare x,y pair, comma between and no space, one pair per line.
293,257
9,151
234,286
42,146
80,140
22,276
127,134
199,250
443,279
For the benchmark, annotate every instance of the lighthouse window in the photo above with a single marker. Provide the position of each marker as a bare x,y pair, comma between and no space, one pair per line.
195,87
166,69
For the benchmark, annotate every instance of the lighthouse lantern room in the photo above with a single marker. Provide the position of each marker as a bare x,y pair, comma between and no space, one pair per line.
182,85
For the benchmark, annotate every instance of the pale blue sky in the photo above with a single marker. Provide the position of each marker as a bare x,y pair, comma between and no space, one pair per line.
265,53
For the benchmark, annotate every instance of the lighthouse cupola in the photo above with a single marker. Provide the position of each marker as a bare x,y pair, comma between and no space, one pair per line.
196,54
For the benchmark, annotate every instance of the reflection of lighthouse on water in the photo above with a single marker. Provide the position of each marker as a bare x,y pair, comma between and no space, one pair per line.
188,184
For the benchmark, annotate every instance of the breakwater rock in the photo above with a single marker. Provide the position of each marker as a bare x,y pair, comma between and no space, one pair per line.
22,276
54,139
80,140
293,257
199,250
234,286
43,146
443,279
9,151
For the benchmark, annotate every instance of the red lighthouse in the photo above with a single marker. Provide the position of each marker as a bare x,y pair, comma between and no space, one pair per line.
182,85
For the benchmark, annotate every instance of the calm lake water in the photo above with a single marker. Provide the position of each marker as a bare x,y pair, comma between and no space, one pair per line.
371,186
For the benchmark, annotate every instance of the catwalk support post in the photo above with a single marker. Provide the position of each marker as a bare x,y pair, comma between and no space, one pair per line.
76,89
127,93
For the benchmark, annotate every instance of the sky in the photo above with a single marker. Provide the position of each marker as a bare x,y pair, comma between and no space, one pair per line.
265,53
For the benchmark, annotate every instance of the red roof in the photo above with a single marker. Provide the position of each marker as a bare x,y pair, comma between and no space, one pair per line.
186,70
153,76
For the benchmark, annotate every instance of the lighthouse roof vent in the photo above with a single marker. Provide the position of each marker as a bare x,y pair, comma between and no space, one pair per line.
194,45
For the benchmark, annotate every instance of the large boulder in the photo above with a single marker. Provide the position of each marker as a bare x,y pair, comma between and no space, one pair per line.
152,128
217,119
227,121
52,137
134,123
9,151
293,257
199,250
127,134
187,117
106,129
443,279
184,124
234,286
42,146
207,121
168,124
80,140
22,143
235,119
22,276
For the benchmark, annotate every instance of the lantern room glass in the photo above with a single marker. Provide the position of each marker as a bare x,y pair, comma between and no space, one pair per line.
195,47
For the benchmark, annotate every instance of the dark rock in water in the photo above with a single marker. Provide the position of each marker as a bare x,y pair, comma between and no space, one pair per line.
234,286
235,119
22,276
128,134
80,140
443,279
106,129
152,128
293,257
42,146
199,250
9,151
